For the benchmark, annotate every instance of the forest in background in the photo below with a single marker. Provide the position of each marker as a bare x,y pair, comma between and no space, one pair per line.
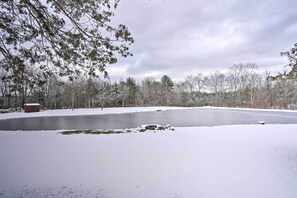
241,86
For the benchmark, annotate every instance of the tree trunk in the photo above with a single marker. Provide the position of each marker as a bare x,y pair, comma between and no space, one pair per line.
72,102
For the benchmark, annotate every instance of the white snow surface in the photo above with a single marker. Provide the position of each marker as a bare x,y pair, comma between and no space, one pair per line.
31,104
211,162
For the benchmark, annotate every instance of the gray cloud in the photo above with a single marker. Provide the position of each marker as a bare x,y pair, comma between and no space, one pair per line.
179,38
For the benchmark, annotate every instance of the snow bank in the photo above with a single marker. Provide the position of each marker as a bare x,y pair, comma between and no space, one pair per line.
249,109
225,161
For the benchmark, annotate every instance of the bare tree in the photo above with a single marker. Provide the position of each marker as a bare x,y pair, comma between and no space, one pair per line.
238,78
104,93
123,92
91,91
193,86
285,91
216,83
254,87
73,89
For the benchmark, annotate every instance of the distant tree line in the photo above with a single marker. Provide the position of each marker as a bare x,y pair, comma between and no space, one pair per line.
241,86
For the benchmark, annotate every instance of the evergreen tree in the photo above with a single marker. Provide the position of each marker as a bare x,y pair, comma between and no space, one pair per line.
132,88
64,37
167,87
292,57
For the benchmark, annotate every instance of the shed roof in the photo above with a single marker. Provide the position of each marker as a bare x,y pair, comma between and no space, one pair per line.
31,104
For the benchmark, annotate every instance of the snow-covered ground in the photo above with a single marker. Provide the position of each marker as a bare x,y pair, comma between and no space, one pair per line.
224,161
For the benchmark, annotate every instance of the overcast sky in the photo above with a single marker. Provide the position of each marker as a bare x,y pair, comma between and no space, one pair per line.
186,37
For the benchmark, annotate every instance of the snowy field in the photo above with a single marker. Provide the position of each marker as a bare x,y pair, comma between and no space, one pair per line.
211,162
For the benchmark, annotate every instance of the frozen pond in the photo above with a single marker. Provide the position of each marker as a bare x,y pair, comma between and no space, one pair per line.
177,118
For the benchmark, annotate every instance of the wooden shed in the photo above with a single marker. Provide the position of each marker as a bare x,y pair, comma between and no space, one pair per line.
31,107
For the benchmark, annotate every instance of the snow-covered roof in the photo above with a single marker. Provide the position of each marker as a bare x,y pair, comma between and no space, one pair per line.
32,104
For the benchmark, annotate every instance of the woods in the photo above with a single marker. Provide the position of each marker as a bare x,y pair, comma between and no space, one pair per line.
241,86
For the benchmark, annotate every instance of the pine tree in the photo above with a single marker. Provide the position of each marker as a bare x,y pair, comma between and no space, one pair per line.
61,37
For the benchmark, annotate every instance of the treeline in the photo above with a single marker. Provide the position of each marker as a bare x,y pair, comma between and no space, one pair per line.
241,86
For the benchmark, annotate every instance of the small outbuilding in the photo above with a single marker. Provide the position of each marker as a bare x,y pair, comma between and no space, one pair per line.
31,107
